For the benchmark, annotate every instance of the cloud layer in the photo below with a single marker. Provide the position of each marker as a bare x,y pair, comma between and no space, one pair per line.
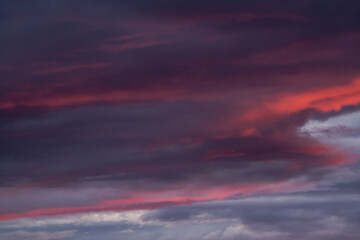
219,119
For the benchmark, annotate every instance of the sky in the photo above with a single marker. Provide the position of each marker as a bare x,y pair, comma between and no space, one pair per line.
180,120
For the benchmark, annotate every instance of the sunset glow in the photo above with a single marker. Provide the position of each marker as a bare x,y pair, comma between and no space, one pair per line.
179,120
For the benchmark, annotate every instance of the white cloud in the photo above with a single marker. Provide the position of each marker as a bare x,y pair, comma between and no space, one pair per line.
84,219
342,131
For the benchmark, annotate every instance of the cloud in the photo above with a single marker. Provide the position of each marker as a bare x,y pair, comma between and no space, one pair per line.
20,234
146,114
279,216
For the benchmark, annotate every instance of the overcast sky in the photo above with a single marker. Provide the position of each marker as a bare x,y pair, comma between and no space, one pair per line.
179,120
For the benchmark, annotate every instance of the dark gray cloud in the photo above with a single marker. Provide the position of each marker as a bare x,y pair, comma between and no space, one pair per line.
108,106
315,215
